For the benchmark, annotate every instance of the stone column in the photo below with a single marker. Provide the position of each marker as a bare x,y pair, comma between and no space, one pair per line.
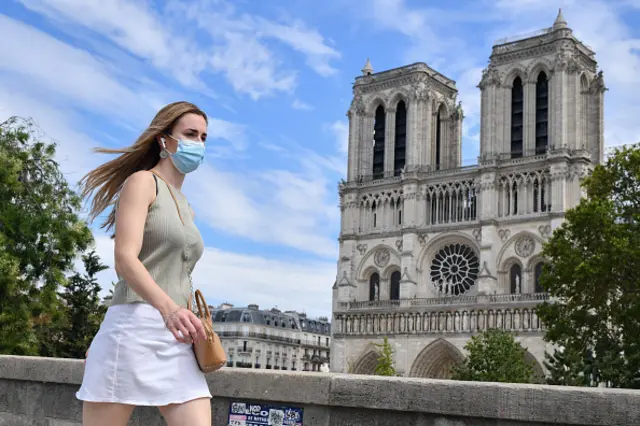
558,106
529,144
389,141
353,149
487,203
488,277
499,108
366,145
427,141
505,146
413,134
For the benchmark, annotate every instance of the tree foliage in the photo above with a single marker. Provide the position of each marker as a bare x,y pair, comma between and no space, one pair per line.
494,356
83,311
40,237
593,317
385,359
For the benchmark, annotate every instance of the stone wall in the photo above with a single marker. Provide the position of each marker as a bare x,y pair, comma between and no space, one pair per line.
40,391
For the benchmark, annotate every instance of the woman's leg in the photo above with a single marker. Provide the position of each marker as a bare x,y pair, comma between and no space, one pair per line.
196,412
105,414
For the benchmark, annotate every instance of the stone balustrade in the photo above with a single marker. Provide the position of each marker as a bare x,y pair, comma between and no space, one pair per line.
41,391
521,320
479,300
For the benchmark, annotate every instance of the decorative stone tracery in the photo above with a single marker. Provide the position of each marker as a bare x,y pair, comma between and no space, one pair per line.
381,258
454,269
525,246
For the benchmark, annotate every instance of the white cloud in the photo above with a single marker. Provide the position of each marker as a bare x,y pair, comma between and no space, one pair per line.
242,279
233,133
134,27
275,206
305,40
250,67
55,124
299,105
43,65
340,129
172,44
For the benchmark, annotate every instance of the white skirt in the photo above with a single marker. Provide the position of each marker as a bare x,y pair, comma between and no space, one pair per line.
135,360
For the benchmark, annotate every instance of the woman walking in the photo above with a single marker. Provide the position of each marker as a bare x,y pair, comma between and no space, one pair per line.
142,354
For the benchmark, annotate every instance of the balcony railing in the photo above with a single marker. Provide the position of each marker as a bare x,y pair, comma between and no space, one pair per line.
443,301
255,335
463,320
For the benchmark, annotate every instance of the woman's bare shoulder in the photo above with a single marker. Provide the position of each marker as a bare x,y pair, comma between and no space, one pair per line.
139,184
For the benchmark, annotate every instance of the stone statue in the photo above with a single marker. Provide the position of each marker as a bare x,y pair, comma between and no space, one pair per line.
375,292
517,284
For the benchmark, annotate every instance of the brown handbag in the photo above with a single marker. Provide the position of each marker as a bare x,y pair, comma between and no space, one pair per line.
209,352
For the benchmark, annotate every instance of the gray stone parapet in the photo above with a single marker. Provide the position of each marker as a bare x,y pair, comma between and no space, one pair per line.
40,391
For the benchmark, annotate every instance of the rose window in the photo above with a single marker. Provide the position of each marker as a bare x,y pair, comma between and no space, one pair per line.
454,269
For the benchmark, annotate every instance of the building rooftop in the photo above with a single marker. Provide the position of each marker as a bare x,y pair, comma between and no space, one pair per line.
252,314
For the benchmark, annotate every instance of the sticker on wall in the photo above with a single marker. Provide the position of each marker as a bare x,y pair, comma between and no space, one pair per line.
251,414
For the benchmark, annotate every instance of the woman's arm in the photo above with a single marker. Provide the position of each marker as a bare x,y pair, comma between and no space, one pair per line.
137,194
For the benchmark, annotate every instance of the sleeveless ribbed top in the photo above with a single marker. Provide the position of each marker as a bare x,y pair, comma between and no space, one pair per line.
169,250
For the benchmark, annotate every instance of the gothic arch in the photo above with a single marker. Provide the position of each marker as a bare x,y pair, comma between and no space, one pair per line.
509,262
516,70
368,271
367,363
534,260
367,261
538,372
436,360
535,67
397,96
511,242
441,103
386,273
375,103
585,82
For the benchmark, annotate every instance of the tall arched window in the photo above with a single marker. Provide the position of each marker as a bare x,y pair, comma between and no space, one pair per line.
515,279
378,143
439,118
399,153
537,273
395,285
374,286
542,113
517,108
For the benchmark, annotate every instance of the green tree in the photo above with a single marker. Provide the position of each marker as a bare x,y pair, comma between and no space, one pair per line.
385,359
593,278
494,356
40,237
83,310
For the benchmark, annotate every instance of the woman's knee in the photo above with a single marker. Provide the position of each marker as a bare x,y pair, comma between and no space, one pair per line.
105,413
196,412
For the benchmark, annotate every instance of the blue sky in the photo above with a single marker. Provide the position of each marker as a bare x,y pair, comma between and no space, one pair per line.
275,78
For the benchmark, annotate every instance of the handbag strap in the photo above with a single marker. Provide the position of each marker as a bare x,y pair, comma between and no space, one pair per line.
203,309
170,192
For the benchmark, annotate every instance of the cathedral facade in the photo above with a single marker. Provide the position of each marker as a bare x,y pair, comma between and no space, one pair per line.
431,251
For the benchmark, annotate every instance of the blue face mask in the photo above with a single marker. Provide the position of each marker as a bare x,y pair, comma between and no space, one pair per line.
188,156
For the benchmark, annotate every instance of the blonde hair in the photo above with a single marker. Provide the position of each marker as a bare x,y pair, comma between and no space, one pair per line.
107,180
